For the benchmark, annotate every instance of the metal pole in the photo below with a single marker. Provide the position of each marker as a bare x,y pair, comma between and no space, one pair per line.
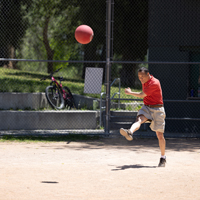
108,52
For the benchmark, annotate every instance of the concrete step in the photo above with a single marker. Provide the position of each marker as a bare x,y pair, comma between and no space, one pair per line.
123,113
122,116
126,125
122,119
49,120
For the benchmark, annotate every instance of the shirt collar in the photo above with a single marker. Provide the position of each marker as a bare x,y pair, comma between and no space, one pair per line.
149,80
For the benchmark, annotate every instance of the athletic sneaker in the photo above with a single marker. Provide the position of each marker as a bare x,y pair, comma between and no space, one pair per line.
126,133
162,162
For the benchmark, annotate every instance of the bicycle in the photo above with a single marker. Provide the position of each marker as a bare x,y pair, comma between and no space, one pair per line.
58,96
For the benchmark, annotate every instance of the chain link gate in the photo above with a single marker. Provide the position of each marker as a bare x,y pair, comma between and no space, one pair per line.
37,37
170,48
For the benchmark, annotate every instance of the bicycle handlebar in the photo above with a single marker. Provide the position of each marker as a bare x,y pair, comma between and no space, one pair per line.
42,79
50,75
57,70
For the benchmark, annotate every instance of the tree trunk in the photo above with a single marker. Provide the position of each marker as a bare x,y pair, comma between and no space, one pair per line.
10,53
50,52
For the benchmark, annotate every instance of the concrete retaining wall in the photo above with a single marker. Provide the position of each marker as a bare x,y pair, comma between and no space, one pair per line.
49,120
9,100
86,102
37,101
16,101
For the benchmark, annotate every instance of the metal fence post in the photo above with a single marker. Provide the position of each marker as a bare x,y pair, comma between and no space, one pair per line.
108,59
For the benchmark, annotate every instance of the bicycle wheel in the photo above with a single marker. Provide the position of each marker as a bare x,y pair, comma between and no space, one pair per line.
54,97
69,100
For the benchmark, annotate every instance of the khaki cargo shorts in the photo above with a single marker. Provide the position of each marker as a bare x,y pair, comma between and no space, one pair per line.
155,116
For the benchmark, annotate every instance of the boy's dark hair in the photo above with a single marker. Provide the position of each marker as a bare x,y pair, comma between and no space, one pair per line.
143,69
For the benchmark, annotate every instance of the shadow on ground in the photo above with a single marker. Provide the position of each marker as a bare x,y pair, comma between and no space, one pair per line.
123,167
84,142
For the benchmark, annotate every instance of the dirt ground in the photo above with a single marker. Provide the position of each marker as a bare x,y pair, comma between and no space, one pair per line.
109,168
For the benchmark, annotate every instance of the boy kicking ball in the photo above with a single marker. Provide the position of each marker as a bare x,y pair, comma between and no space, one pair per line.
152,111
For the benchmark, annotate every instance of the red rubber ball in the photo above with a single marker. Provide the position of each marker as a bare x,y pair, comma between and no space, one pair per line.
84,34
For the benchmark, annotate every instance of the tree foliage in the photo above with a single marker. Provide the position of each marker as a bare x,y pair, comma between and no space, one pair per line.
13,27
53,21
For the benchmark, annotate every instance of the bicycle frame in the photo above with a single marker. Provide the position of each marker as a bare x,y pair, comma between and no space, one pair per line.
65,93
59,86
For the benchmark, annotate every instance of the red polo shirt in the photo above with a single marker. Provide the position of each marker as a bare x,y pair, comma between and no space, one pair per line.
152,89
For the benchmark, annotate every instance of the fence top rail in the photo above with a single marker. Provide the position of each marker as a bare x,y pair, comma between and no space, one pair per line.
180,101
126,99
96,61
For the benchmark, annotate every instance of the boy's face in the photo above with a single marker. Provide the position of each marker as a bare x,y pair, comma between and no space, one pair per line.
143,77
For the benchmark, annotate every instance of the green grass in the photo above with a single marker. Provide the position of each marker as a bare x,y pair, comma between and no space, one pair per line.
53,138
12,80
25,81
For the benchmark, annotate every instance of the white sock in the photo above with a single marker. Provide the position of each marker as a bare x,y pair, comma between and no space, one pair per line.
163,157
131,131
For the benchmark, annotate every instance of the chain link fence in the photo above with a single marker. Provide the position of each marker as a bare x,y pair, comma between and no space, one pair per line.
37,38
